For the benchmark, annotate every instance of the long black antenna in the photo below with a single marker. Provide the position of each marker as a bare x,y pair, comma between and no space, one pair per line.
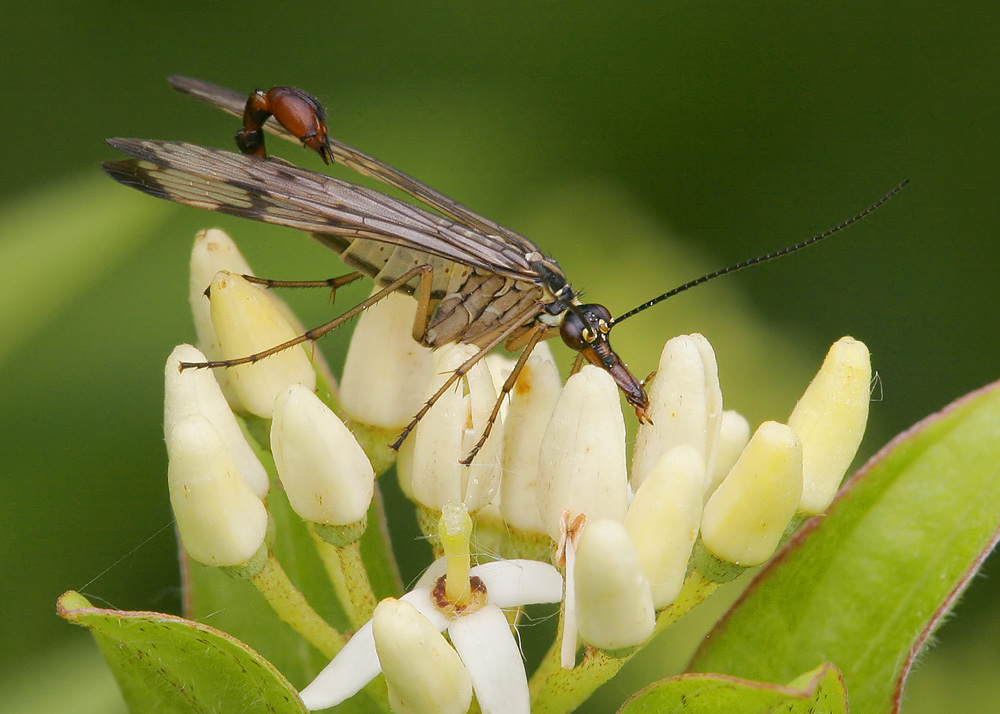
760,258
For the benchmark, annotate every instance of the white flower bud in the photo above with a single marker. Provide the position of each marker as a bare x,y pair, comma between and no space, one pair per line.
532,402
326,474
220,519
613,600
386,372
195,391
447,433
830,419
423,672
685,406
746,516
213,251
246,322
663,520
582,457
733,437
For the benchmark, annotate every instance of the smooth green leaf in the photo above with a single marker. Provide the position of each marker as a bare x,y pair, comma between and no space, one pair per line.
168,664
818,692
864,586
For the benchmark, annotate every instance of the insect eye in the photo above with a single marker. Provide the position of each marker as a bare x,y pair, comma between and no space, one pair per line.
573,331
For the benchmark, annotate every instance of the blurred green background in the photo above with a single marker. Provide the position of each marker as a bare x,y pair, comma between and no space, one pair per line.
639,143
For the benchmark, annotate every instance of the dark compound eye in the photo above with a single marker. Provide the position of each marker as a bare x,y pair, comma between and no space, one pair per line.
582,324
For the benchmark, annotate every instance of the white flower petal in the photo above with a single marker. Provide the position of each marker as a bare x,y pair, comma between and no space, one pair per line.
352,668
512,583
420,598
487,647
434,571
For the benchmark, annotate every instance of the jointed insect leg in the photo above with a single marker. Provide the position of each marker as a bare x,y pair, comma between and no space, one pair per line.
333,283
425,272
536,334
514,324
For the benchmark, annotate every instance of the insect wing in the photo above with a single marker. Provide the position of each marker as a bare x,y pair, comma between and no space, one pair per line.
274,191
233,102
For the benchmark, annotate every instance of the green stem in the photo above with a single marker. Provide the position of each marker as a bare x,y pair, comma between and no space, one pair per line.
555,690
350,579
291,607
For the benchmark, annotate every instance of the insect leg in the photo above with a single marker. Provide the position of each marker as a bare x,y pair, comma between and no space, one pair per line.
424,310
333,283
535,335
514,324
317,332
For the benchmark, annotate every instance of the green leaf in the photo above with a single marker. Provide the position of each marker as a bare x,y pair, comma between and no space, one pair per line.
818,692
864,586
168,664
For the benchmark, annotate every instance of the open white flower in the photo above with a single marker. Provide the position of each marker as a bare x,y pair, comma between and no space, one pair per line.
473,616
482,638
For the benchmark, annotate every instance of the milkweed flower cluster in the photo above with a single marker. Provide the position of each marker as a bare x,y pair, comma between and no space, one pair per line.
553,489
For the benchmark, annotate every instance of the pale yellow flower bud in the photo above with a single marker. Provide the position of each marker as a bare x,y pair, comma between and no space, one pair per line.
685,405
447,433
533,400
221,520
582,457
326,474
213,251
746,516
733,437
423,672
195,391
830,419
613,600
386,372
663,520
246,322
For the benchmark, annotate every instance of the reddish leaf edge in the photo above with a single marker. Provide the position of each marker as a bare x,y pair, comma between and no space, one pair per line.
791,691
814,523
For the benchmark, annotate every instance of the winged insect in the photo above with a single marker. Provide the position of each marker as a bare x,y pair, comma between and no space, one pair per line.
475,281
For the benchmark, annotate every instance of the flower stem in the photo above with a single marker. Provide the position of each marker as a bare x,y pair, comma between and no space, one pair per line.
291,607
555,690
350,579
